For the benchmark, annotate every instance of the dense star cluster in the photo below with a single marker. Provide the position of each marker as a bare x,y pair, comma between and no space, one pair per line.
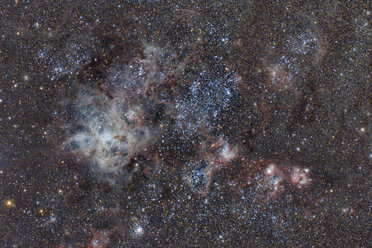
185,124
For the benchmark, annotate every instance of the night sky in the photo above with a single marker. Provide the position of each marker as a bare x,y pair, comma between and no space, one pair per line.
185,124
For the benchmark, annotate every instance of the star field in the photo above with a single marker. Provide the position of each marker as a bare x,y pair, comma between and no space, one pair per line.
185,124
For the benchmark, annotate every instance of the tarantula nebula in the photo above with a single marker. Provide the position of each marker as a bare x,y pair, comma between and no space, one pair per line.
172,112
